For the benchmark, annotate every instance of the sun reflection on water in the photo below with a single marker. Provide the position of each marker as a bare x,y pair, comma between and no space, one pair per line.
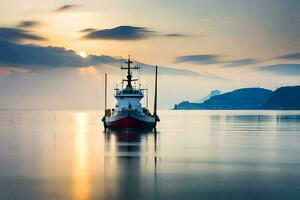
81,183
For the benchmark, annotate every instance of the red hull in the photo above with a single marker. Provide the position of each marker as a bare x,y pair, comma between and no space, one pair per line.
129,123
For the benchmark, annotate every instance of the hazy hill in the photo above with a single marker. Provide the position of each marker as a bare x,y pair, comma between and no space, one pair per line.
211,94
284,98
241,99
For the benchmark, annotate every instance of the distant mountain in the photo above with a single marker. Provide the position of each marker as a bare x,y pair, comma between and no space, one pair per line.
186,105
241,99
246,98
284,98
211,94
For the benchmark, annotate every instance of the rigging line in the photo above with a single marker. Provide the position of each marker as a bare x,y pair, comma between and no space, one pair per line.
139,68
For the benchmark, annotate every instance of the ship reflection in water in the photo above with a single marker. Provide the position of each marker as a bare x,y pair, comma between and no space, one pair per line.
194,155
132,157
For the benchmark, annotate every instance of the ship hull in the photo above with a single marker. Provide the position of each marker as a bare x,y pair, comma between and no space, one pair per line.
129,120
129,123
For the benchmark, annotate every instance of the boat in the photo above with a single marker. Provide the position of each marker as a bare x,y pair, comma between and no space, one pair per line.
128,113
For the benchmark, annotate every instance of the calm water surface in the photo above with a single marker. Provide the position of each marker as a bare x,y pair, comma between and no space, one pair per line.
64,155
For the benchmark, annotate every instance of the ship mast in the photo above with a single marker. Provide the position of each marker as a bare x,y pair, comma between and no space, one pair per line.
129,74
155,94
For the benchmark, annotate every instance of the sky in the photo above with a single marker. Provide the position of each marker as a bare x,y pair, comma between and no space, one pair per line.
54,53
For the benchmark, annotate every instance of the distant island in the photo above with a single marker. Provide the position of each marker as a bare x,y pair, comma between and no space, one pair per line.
211,94
284,98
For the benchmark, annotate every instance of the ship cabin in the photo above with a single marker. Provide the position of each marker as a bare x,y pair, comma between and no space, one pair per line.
128,99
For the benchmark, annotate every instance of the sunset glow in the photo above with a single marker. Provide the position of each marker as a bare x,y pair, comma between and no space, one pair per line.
206,44
83,54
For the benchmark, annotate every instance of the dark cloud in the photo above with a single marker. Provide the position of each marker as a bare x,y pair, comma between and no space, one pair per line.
17,34
291,56
67,7
121,33
38,58
125,33
88,30
241,62
282,69
27,24
199,59
175,35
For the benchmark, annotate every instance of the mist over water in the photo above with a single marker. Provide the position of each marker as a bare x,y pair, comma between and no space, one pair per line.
194,155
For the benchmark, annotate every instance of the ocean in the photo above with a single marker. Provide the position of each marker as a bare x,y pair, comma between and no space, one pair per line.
66,155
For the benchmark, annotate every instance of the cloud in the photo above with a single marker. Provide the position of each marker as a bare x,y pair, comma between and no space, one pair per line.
121,33
125,33
241,62
87,30
67,7
207,59
291,56
176,35
27,24
39,58
145,68
17,34
35,57
282,69
199,59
